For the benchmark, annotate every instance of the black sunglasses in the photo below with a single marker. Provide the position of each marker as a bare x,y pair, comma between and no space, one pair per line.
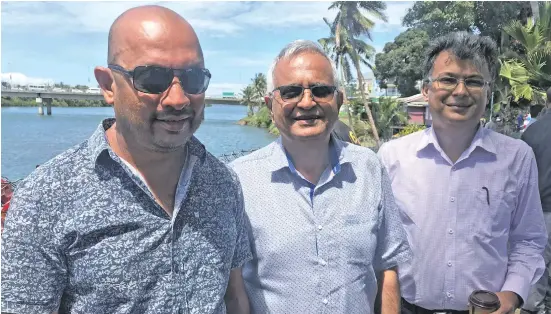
153,79
294,93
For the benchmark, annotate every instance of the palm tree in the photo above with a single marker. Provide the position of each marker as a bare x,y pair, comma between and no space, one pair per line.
328,45
259,84
248,99
529,74
389,112
349,24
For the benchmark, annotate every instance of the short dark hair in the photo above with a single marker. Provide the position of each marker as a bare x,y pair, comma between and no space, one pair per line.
482,50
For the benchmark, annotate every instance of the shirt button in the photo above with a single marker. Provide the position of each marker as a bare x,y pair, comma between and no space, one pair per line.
454,168
323,263
450,264
449,294
450,231
325,301
320,227
452,199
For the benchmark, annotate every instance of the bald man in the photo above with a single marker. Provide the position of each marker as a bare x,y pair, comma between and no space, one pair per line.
139,218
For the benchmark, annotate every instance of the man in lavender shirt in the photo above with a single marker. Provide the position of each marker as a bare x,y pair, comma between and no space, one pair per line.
468,196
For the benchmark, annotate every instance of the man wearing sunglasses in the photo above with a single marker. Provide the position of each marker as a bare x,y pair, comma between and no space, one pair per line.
139,218
468,196
323,223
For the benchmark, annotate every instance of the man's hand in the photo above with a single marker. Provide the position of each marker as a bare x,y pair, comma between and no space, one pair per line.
509,302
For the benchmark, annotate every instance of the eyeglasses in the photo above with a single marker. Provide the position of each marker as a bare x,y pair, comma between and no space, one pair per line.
294,93
152,79
450,83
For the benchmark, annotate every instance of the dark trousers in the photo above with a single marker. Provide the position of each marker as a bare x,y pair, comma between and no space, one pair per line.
408,308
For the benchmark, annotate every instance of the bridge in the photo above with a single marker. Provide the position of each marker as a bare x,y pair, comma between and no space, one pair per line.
45,98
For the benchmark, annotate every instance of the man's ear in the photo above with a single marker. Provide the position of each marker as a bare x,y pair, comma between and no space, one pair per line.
106,82
425,90
268,102
340,99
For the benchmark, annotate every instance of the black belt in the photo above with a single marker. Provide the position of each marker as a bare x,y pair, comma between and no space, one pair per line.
414,309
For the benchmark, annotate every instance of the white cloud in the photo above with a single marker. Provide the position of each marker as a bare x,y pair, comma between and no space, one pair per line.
22,79
216,18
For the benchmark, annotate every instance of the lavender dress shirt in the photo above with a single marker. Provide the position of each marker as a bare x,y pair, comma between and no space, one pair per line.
473,224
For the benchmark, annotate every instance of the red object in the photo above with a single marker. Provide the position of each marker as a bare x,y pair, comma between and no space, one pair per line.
7,193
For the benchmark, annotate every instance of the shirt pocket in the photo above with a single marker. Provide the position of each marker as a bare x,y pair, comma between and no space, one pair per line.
359,240
492,210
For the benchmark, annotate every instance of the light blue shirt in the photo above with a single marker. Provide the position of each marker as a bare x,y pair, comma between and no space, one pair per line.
318,248
473,224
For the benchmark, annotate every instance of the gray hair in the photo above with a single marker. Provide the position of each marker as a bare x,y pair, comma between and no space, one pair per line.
294,49
481,50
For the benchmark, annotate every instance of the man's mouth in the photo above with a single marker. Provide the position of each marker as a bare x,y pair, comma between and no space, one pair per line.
174,119
458,105
308,117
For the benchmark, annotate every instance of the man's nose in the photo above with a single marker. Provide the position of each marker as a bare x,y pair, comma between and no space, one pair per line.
307,100
460,89
175,96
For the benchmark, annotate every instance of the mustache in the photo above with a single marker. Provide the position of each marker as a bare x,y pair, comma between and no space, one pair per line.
171,114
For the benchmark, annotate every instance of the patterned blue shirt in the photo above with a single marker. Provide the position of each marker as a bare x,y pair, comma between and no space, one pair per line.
85,235
318,248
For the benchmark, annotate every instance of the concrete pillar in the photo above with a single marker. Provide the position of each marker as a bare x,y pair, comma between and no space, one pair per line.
40,106
48,102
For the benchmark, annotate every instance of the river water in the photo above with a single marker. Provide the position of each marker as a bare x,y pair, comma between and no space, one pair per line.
29,139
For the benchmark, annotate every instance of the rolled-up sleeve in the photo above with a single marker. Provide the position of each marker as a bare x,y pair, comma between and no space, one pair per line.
392,244
33,269
528,234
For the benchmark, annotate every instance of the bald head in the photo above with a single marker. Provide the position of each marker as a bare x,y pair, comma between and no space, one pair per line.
149,27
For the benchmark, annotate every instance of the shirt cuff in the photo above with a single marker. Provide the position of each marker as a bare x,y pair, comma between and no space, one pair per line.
518,285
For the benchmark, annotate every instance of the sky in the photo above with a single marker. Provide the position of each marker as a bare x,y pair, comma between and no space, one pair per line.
64,41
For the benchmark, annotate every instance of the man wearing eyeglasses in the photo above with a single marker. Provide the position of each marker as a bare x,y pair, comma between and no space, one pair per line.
139,218
323,222
468,196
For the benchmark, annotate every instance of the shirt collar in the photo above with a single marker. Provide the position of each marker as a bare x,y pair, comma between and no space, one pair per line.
98,142
481,139
280,159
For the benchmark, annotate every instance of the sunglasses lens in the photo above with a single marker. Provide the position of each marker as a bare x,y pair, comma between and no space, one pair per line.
289,93
151,79
323,92
194,81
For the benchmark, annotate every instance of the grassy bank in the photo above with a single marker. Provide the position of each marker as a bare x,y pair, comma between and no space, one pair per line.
260,119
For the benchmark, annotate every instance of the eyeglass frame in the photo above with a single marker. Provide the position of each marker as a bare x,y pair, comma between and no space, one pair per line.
459,80
302,94
130,74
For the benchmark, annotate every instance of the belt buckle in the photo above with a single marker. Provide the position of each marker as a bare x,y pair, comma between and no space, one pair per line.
440,312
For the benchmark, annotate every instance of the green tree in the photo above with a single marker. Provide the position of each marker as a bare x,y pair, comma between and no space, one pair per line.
529,74
400,62
438,18
351,23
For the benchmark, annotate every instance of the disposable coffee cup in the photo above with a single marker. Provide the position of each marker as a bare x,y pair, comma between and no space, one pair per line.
483,302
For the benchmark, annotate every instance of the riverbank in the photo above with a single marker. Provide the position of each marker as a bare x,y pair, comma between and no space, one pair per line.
260,119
